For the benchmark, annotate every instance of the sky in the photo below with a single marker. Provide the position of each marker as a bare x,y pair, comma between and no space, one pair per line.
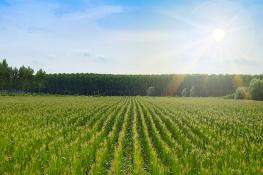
133,36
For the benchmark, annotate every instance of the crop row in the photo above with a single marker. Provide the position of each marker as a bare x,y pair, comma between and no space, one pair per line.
130,135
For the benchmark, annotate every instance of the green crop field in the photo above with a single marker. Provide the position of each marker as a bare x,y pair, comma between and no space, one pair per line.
130,135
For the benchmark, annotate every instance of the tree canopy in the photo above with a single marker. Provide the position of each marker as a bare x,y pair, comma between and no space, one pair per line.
256,89
25,79
20,79
241,93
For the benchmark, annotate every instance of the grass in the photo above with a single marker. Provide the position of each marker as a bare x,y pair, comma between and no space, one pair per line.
130,135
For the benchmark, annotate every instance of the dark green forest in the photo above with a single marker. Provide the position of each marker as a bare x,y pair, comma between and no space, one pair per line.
26,80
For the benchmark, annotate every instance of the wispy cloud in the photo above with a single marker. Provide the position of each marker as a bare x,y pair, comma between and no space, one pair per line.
32,29
88,55
94,13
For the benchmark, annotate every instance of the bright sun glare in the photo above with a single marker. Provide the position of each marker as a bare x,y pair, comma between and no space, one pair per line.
218,34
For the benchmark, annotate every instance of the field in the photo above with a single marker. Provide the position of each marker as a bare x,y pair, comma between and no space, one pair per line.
130,135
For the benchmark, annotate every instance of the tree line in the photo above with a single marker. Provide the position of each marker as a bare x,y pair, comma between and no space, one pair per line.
24,79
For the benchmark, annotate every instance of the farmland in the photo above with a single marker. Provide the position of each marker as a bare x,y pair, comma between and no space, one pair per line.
130,135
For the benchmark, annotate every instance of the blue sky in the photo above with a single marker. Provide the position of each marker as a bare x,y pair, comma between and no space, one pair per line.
133,36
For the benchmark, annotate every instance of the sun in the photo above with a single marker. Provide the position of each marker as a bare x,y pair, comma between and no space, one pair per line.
218,34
